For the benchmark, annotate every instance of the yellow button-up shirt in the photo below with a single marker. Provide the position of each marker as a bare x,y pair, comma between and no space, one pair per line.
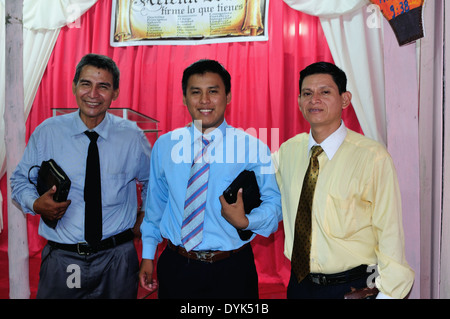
356,207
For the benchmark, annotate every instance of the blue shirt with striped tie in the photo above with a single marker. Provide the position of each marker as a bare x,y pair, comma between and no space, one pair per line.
230,152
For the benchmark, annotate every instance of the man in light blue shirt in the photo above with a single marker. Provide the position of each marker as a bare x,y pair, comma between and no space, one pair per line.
108,269
221,265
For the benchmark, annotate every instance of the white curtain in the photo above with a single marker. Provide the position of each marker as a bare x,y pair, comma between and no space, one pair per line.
354,34
42,21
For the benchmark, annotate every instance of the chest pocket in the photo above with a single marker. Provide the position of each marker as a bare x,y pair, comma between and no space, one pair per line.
346,217
115,188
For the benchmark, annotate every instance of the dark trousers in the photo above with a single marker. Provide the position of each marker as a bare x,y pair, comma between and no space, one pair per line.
183,278
306,289
108,274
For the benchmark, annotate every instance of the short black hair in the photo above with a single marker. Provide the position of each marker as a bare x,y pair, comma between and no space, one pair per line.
99,61
338,75
203,66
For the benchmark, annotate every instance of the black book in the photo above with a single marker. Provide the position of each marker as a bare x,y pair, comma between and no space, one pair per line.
250,195
51,174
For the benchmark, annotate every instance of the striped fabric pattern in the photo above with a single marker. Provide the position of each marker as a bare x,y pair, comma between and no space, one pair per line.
195,203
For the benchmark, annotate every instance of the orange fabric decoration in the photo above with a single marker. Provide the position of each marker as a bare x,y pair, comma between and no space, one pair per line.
405,18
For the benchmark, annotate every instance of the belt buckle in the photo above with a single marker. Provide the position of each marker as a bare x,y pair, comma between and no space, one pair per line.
84,253
319,279
205,256
323,280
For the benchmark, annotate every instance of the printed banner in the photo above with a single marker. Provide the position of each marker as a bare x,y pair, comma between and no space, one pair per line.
405,18
172,22
394,8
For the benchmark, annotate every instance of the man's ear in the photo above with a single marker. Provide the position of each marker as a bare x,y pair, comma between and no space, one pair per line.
116,94
300,104
346,99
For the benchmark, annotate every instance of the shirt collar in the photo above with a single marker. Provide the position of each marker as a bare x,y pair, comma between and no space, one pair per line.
332,143
80,127
215,136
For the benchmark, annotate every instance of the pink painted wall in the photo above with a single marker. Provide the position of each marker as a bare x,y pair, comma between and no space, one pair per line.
402,102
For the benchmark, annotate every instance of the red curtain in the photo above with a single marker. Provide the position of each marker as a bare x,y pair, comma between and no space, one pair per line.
264,90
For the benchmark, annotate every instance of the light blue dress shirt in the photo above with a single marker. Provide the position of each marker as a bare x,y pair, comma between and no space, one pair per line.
124,153
230,152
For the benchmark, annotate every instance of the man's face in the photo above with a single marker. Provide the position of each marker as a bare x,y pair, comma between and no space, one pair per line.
320,102
94,94
206,99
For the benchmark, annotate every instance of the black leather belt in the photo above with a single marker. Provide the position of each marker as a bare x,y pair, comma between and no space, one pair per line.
86,249
339,278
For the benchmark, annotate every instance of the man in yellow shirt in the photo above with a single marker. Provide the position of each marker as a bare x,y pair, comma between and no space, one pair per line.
356,222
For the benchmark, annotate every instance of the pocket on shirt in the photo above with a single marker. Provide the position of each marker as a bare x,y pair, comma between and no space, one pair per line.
345,217
115,189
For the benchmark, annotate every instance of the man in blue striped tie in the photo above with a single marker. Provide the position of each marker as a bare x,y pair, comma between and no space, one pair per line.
190,168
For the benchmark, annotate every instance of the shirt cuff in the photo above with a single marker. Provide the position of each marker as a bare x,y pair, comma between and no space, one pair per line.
383,296
256,225
148,251
149,246
28,208
252,222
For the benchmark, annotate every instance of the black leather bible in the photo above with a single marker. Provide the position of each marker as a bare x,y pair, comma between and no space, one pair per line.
50,174
250,195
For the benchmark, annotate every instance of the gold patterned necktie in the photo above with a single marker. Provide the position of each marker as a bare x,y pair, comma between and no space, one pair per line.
302,239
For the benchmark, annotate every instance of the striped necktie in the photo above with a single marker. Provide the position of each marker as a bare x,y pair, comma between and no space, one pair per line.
194,207
300,261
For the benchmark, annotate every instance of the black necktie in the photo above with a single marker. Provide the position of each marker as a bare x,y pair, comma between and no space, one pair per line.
92,193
